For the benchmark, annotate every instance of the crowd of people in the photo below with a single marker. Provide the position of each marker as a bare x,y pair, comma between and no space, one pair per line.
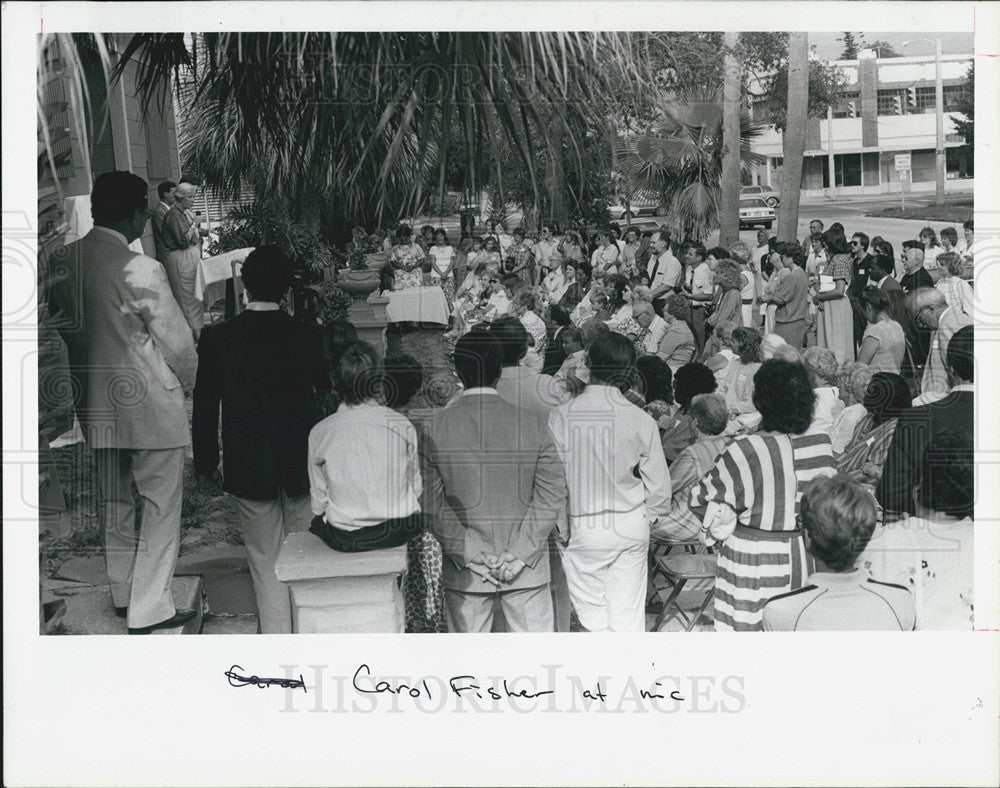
802,413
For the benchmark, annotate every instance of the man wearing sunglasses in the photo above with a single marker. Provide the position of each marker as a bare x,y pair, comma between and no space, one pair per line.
861,264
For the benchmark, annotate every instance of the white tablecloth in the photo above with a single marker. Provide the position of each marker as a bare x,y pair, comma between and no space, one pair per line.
418,305
211,285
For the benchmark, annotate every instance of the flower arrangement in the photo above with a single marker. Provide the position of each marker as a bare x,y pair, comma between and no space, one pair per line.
360,247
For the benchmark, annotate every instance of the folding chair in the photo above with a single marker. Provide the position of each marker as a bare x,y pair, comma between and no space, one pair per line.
680,569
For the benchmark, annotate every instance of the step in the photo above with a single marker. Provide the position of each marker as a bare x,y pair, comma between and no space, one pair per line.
226,576
91,612
242,624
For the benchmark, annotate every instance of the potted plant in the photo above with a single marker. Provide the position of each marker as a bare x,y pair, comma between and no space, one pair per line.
355,276
369,245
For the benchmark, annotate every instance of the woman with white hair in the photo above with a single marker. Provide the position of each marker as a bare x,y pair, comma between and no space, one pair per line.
653,327
709,416
525,307
956,291
853,381
719,363
677,346
769,345
821,364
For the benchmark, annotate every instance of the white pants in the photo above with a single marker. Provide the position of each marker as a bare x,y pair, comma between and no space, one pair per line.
140,573
182,273
265,525
606,570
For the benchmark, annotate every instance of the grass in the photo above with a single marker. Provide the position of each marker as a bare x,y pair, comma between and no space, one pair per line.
953,212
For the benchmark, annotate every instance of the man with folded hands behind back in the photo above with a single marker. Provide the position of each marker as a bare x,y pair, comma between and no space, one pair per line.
493,489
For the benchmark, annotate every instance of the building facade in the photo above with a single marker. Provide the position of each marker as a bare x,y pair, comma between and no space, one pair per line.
887,108
93,126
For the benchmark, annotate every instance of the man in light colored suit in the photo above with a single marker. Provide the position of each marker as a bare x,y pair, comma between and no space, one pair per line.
133,356
494,488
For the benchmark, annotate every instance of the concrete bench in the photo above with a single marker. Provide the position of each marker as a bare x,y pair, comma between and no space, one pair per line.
342,592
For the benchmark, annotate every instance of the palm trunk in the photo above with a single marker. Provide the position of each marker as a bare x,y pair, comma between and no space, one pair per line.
729,213
794,137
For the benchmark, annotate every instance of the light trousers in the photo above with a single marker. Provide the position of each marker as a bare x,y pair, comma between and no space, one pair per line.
182,274
524,610
606,570
265,524
140,571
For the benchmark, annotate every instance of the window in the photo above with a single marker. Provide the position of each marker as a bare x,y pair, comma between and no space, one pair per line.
845,103
953,95
925,99
847,169
891,101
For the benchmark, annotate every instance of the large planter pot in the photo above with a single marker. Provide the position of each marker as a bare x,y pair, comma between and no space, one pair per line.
357,284
375,260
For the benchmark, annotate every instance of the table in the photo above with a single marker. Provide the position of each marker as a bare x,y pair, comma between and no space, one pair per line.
214,271
417,305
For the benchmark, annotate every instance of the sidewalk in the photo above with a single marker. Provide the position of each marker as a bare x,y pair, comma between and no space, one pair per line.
912,198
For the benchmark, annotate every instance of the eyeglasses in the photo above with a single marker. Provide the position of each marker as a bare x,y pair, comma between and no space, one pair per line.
855,243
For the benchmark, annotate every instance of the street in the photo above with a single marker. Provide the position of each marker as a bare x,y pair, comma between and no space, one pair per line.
851,214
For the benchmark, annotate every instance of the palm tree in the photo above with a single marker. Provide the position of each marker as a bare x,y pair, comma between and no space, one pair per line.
366,123
681,160
794,135
729,224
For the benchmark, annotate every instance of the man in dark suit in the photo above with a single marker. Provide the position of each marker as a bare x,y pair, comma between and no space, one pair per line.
861,264
913,263
494,488
914,428
266,370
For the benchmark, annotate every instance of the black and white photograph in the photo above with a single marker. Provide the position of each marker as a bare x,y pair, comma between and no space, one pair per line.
609,338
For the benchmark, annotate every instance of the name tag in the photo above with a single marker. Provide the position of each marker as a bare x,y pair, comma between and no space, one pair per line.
741,378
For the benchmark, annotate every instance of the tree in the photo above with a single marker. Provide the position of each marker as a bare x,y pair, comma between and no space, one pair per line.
851,46
882,48
365,124
729,220
826,83
681,160
967,106
794,137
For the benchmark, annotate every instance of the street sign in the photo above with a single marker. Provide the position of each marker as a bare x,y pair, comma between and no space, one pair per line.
902,162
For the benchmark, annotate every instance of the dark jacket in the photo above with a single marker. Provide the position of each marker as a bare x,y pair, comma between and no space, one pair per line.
914,429
266,369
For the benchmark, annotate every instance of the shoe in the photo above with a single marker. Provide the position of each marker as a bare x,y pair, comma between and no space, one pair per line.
178,618
121,612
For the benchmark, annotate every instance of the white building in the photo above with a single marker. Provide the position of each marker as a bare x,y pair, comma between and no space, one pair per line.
887,108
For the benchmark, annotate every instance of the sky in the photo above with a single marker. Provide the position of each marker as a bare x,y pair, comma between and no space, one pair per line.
829,48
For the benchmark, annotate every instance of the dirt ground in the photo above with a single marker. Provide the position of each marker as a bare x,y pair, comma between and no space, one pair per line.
205,521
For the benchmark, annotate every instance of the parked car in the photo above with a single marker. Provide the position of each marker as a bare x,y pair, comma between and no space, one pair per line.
765,193
639,224
754,211
643,204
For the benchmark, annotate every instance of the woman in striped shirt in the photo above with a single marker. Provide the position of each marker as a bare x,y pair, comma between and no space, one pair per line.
749,501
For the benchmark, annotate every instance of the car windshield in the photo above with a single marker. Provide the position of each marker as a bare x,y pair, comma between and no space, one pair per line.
752,203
